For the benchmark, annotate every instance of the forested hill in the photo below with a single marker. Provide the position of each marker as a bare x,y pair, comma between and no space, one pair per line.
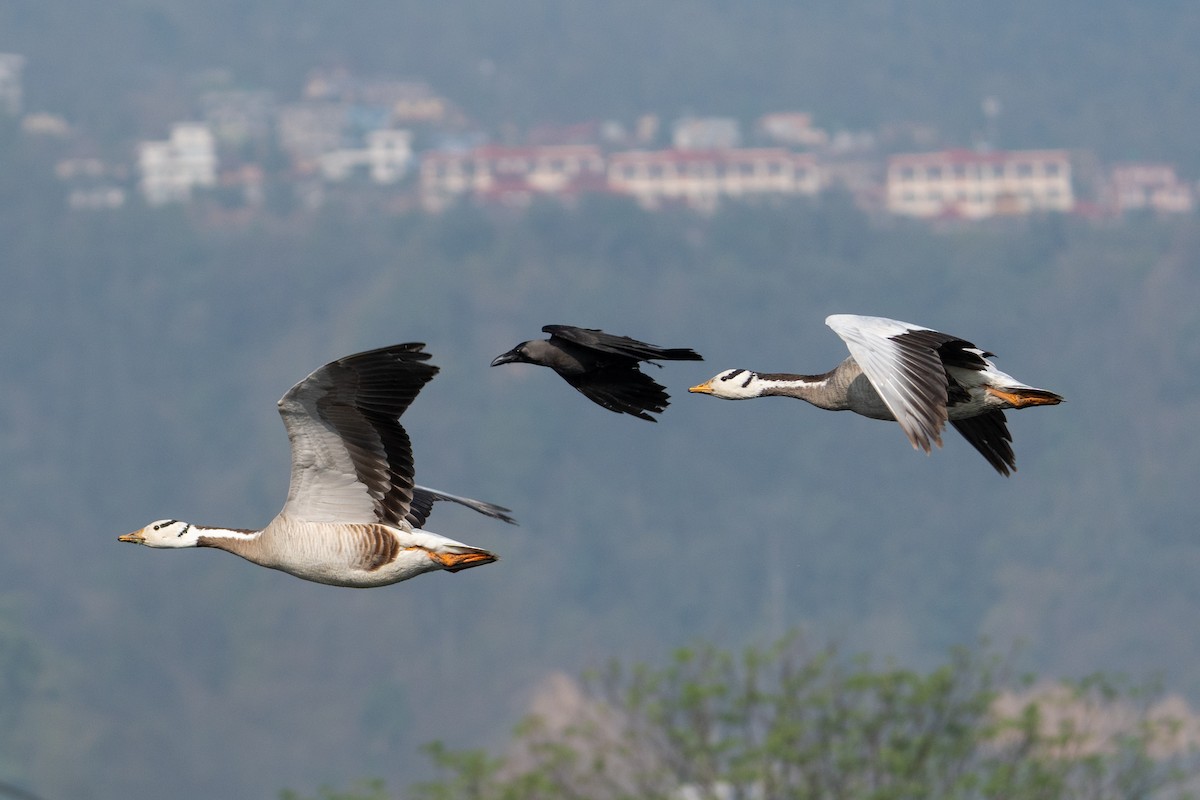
1115,77
142,354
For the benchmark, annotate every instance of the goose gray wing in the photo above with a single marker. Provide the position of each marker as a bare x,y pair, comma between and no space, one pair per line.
902,363
423,499
622,346
351,459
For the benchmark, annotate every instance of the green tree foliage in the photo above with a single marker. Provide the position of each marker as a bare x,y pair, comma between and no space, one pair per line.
787,723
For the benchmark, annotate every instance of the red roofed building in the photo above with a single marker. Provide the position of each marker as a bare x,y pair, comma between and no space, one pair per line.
700,178
975,185
505,173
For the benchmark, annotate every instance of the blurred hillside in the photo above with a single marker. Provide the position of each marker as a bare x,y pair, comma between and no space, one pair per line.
142,355
1116,78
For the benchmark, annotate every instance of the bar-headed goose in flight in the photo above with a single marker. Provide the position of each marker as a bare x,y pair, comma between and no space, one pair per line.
602,366
916,376
353,516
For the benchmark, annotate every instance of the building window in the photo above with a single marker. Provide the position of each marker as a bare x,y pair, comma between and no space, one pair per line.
933,173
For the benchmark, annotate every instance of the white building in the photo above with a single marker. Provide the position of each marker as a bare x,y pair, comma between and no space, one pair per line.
700,179
1157,187
385,158
11,92
389,154
510,174
171,169
975,185
92,184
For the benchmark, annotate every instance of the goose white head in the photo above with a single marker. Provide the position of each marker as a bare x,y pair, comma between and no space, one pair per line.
732,384
164,533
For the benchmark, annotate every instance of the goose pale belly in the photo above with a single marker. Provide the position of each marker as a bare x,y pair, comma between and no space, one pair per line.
355,555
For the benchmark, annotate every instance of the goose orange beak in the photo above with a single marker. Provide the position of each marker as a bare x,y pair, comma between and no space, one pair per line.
136,537
703,388
453,562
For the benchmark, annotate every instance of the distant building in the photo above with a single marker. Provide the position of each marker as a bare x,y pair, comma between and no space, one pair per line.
975,185
406,102
104,197
793,129
705,133
1136,186
11,91
92,184
385,158
845,143
171,169
389,154
412,102
700,179
509,175
43,124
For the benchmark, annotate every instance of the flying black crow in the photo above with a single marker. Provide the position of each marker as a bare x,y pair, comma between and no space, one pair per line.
602,366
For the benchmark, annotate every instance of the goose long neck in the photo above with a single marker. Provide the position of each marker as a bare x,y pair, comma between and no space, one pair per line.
238,541
824,391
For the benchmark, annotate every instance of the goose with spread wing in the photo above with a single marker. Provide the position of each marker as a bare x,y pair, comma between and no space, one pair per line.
919,377
353,515
602,366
